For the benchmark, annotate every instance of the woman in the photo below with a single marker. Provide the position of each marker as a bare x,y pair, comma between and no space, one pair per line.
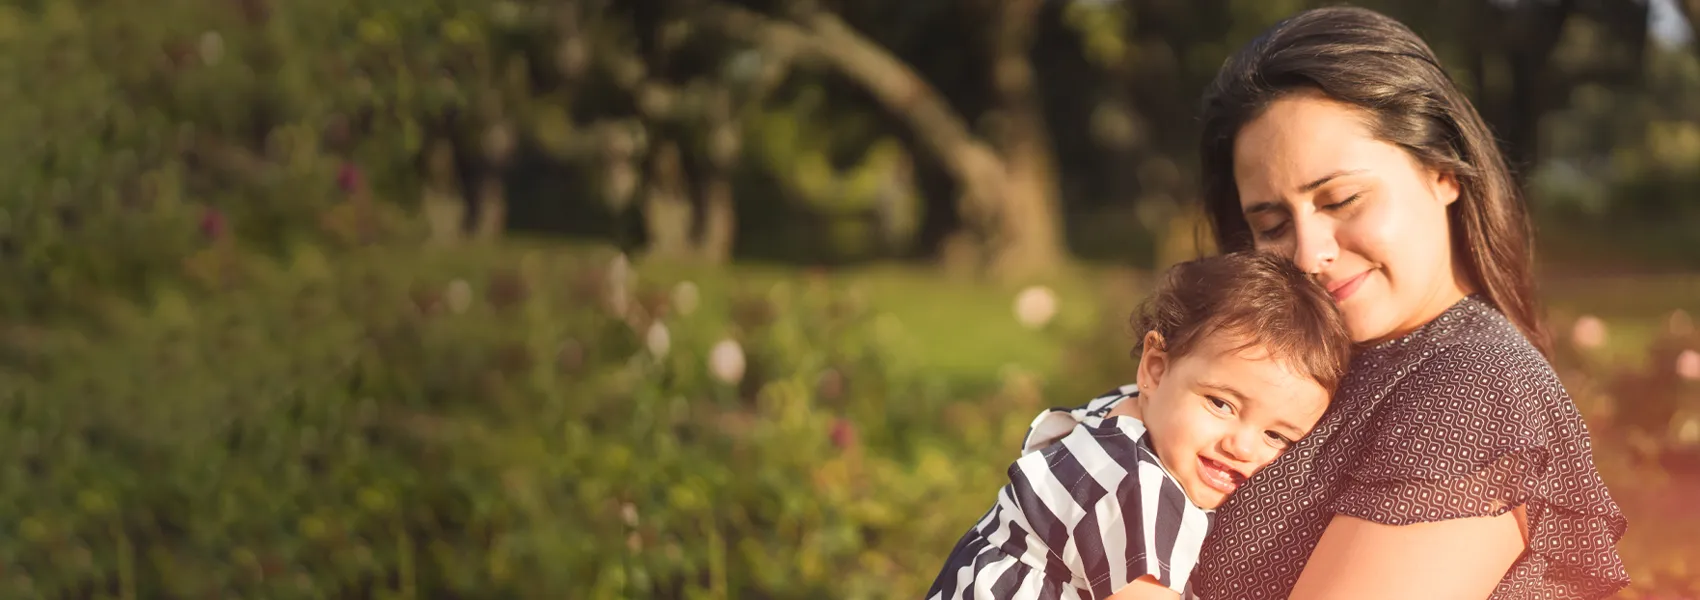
1452,464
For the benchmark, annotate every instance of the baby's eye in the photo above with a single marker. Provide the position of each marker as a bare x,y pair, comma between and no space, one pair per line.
1280,441
1220,404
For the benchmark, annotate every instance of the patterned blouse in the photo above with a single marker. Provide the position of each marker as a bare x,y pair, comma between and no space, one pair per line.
1087,510
1461,418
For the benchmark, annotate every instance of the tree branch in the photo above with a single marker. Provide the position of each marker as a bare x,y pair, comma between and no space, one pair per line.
821,36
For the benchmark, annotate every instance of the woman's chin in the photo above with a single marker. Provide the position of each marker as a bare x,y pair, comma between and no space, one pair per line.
1367,327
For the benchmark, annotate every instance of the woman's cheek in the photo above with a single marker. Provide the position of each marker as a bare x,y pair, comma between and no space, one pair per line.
1372,233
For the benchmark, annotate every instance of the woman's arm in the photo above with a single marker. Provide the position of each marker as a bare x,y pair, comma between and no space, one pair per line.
1459,558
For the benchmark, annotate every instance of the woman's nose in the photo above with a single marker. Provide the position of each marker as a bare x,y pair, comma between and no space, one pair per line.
1314,247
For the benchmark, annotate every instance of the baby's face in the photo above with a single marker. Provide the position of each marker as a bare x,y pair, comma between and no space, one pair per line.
1217,416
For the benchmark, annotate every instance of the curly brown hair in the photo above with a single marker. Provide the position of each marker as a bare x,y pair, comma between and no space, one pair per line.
1262,297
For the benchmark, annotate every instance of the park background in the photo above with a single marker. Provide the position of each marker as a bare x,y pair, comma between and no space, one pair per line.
693,298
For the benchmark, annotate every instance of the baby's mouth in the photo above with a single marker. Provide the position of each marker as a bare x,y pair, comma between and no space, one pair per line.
1218,476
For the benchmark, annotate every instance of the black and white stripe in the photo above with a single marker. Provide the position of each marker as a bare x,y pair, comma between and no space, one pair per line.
1088,509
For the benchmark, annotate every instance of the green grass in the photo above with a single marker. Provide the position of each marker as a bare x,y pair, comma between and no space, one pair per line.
961,327
967,327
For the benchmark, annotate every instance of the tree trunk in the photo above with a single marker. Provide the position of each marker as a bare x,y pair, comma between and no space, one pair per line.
445,209
719,221
492,208
667,212
1525,36
1030,237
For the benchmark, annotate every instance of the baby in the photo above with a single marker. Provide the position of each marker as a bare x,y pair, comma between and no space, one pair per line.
1239,356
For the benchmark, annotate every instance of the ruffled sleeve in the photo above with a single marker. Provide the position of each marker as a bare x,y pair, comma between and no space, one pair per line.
1477,431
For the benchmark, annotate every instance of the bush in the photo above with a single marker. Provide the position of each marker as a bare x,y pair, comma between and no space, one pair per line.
396,426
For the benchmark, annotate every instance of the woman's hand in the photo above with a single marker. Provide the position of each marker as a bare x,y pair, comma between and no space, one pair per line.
1460,558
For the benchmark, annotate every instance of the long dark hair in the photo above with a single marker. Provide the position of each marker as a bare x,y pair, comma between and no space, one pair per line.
1368,60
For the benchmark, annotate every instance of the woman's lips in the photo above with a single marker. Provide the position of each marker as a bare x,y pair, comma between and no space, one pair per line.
1342,290
1218,476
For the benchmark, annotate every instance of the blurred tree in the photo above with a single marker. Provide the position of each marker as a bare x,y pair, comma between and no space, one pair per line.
1529,56
1006,179
1690,9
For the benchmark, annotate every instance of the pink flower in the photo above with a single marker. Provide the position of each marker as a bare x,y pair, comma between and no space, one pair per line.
843,433
1688,365
349,178
1589,332
213,225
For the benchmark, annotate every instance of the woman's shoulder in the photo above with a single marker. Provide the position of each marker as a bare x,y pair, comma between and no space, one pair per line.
1472,392
1475,422
1478,353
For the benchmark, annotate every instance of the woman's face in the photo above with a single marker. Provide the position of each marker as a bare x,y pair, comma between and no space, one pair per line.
1362,215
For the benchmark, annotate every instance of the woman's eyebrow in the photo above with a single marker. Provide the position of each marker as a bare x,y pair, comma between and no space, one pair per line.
1311,187
1265,206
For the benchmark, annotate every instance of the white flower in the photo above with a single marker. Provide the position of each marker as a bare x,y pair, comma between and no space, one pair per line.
657,340
211,48
1035,306
1589,332
686,297
726,362
459,296
1688,365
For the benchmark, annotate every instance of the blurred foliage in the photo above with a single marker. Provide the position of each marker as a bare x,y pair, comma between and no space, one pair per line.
144,131
488,425
515,422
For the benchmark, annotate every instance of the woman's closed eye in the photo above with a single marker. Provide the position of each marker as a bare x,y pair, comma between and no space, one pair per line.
1275,231
1350,200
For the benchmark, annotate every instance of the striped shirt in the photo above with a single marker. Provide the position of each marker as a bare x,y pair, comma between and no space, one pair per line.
1088,509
